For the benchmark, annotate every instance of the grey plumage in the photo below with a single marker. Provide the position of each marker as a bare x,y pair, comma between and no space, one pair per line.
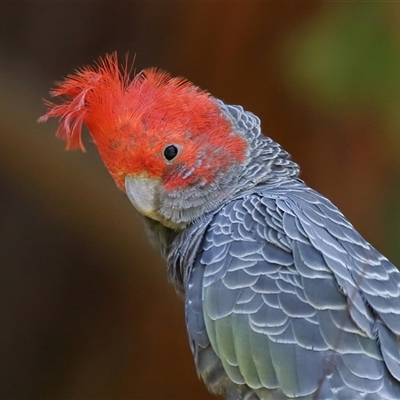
283,298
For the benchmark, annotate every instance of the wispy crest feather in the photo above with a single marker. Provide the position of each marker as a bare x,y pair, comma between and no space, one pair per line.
100,95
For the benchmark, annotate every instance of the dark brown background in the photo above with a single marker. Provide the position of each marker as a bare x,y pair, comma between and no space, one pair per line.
85,309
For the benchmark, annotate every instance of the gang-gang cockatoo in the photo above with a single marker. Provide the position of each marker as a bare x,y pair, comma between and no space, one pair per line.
283,298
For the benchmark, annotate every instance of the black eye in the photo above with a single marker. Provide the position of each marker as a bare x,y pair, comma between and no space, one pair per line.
170,152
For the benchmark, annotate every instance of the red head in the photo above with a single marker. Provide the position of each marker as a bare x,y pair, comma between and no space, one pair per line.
132,121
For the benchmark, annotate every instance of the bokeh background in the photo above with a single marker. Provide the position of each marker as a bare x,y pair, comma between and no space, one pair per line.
85,309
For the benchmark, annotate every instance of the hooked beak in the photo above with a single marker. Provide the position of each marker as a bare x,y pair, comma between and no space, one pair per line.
143,194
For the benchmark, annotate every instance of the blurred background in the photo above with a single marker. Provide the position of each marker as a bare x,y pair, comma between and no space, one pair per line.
85,308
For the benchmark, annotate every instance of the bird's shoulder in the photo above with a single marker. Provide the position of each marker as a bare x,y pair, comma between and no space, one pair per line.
301,232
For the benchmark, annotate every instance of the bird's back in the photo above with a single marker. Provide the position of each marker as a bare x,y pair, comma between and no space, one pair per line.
286,300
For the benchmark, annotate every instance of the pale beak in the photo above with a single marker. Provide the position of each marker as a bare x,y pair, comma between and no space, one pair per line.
143,194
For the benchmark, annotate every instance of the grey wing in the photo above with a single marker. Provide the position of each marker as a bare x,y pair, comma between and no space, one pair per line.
288,301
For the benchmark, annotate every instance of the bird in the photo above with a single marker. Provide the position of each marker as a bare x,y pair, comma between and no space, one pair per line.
283,298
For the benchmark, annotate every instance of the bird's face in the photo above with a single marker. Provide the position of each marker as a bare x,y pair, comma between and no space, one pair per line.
168,153
158,136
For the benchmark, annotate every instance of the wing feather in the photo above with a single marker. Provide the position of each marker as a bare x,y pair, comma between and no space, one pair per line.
289,283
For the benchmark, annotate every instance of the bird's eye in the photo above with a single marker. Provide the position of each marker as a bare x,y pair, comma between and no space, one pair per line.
170,152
